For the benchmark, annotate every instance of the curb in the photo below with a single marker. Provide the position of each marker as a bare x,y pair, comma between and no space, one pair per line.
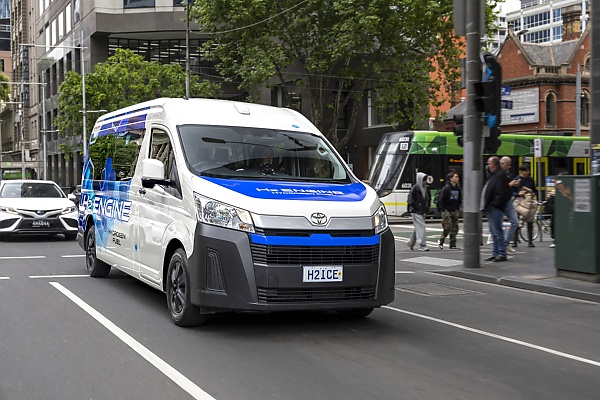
534,286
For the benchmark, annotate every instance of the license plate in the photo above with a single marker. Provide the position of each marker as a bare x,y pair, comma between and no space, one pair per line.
332,273
39,223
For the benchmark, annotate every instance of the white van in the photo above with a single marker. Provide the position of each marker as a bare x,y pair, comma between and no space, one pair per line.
230,206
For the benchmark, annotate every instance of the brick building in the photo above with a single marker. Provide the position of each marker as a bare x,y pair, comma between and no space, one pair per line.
543,82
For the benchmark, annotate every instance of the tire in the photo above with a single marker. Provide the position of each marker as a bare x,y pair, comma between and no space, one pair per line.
534,234
179,292
95,267
70,236
355,313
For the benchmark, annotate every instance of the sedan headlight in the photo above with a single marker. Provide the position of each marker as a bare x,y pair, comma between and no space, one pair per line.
380,220
69,210
9,210
216,213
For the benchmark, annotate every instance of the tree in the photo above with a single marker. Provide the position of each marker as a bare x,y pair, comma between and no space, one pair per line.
123,80
4,88
337,50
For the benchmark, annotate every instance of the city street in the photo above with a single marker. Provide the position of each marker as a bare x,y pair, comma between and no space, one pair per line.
68,336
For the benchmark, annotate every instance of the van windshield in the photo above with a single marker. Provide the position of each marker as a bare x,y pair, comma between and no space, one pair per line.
253,153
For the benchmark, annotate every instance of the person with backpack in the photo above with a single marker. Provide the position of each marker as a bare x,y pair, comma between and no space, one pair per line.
449,201
419,200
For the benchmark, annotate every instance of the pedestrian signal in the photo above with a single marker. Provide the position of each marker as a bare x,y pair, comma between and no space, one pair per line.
459,130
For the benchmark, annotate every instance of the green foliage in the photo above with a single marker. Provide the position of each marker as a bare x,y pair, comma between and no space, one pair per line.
4,88
124,79
337,50
122,151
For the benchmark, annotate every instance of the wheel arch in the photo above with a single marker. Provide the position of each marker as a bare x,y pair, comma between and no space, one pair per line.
173,245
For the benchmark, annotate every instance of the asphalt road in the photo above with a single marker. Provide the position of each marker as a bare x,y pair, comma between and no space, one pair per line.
69,336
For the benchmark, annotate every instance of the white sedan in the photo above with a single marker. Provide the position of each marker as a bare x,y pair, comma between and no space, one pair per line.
36,207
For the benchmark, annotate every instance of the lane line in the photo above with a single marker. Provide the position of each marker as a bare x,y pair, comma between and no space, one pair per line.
57,276
20,257
73,256
495,336
136,346
405,272
4,278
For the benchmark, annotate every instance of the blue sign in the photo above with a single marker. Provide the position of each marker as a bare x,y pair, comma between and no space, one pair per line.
505,91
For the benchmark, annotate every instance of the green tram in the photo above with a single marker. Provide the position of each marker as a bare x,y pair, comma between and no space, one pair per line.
400,155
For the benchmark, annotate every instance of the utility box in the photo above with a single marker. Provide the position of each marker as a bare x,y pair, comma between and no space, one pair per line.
577,227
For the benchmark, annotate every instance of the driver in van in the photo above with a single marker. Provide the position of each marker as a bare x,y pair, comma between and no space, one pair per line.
261,158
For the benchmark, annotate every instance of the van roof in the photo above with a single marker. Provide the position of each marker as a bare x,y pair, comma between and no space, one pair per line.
181,111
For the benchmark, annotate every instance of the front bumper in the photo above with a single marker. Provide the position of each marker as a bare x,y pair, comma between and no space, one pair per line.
19,224
230,272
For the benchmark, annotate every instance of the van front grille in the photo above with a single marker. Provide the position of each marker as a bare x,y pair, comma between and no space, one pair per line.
315,255
315,295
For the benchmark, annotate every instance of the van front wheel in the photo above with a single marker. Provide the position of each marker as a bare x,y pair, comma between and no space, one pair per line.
178,289
95,267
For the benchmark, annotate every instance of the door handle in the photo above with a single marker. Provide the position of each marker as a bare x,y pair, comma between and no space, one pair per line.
142,191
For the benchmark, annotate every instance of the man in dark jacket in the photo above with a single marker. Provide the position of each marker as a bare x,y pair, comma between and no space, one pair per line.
495,195
450,200
418,205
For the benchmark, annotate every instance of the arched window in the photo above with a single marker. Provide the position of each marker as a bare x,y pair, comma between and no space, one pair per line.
586,64
585,108
551,110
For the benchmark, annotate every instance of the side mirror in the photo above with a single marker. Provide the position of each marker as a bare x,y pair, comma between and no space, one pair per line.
153,172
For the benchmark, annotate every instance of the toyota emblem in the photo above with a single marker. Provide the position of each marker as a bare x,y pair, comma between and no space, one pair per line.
41,212
318,218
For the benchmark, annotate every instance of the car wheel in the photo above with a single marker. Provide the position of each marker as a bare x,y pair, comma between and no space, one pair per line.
179,292
70,236
355,312
95,267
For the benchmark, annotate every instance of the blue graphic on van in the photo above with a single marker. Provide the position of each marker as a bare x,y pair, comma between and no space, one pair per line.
293,190
314,240
105,200
120,127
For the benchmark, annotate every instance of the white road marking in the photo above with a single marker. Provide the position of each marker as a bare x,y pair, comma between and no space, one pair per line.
499,337
439,262
405,272
152,358
57,276
20,257
4,278
73,256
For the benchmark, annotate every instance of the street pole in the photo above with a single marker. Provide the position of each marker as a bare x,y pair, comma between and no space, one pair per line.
45,154
22,133
578,102
187,49
473,139
83,98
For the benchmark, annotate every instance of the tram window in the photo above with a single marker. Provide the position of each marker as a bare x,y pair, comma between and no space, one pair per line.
408,174
580,169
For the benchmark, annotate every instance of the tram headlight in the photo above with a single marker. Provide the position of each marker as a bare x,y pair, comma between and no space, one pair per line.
380,220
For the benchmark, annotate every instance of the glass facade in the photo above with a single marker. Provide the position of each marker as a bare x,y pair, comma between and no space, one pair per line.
168,52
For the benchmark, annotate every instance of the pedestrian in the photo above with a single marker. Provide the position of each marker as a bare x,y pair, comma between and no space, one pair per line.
524,191
509,211
449,203
419,200
494,197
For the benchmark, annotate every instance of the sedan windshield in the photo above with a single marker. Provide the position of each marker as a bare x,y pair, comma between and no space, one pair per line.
253,153
18,190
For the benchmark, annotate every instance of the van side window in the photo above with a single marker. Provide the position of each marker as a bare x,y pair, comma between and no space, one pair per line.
114,152
162,150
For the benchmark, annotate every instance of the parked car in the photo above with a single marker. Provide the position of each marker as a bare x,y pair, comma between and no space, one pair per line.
36,207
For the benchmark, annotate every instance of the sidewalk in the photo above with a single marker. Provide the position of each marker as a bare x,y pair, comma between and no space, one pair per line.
529,269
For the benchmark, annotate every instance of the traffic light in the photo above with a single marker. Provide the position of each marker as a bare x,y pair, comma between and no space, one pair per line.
488,92
459,128
492,143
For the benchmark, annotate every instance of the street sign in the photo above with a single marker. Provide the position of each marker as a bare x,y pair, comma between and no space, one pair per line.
506,104
505,91
537,147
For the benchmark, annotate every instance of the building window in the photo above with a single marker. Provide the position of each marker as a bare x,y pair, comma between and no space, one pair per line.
586,64
557,32
585,108
551,110
557,15
138,3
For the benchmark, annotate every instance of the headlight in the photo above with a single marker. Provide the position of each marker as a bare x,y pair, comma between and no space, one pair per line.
380,221
216,213
9,210
69,210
